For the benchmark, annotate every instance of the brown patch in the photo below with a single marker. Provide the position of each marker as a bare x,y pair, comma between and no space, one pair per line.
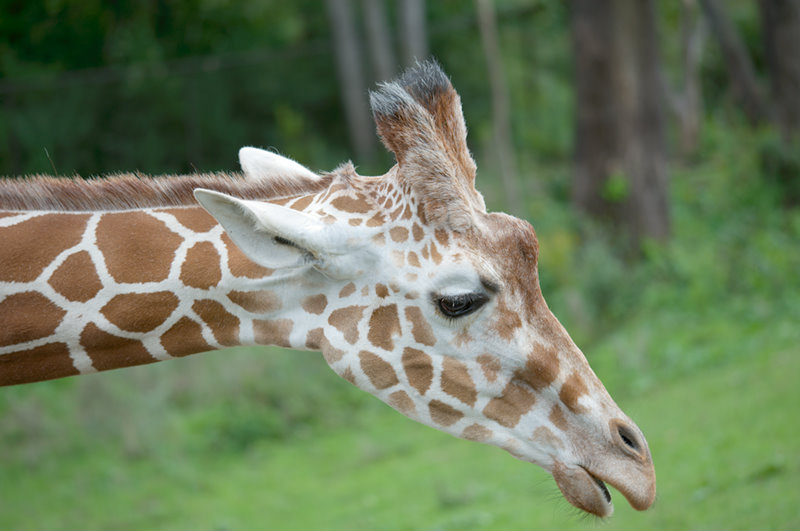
30,246
425,254
418,233
399,258
557,418
258,301
490,366
571,390
420,328
333,189
355,222
348,290
507,408
418,367
346,320
316,340
355,205
108,351
183,338
76,278
201,268
402,403
37,364
379,239
435,256
413,259
140,312
444,414
398,234
303,202
384,324
241,266
541,368
507,322
407,212
421,214
315,304
136,246
27,316
281,201
442,237
273,332
365,291
462,338
381,291
348,375
377,220
378,370
195,218
457,382
477,433
544,437
223,324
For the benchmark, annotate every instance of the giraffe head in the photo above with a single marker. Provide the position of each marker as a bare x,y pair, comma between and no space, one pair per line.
419,296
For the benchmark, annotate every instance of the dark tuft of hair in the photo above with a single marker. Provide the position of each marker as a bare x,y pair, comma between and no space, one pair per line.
423,83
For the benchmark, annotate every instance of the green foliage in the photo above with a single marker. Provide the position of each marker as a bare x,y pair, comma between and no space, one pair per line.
616,189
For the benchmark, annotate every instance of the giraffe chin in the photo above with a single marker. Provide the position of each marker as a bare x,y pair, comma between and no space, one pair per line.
583,490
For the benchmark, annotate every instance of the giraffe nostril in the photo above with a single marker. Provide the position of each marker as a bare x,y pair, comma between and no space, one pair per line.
628,437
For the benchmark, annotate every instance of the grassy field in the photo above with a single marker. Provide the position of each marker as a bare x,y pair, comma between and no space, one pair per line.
726,446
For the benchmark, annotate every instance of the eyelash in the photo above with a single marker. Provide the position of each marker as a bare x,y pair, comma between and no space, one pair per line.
457,306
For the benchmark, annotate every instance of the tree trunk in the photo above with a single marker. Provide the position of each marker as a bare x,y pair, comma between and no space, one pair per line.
780,20
413,31
501,115
740,68
379,37
690,106
620,155
351,77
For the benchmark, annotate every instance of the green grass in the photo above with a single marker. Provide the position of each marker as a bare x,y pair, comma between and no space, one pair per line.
725,441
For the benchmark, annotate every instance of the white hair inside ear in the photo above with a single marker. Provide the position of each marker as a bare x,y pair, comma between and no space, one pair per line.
260,164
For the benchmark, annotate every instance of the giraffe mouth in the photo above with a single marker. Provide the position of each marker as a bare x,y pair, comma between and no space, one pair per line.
603,488
583,490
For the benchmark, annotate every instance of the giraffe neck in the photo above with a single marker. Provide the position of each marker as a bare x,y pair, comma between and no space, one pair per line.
83,292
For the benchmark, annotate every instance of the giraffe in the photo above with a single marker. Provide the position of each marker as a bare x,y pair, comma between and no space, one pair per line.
410,289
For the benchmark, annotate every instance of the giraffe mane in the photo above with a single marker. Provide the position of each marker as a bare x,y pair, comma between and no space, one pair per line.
126,191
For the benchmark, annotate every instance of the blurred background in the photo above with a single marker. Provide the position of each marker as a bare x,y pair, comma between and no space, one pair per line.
654,145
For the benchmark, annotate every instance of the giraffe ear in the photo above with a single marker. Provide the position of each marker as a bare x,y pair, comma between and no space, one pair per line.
419,119
260,164
278,237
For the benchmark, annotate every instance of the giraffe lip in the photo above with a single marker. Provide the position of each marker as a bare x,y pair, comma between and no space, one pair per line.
583,489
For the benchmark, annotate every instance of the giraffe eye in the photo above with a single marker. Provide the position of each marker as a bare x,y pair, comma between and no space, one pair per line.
461,305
